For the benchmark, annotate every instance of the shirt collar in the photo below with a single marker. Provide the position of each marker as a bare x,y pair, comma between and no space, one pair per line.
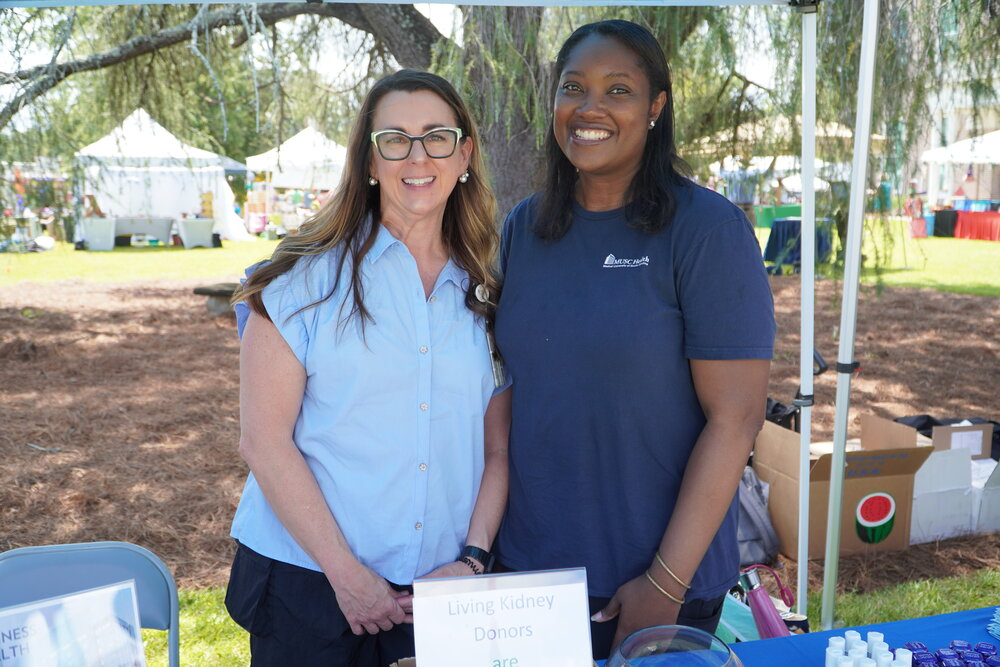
383,239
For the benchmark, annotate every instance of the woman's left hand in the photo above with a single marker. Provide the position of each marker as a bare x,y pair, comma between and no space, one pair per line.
637,605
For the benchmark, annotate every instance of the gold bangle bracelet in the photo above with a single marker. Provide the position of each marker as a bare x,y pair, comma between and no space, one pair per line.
670,572
660,588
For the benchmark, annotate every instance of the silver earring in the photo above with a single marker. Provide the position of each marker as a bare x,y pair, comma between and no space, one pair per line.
464,178
652,124
372,181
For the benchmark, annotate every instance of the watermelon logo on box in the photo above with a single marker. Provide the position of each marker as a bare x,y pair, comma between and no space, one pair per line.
874,517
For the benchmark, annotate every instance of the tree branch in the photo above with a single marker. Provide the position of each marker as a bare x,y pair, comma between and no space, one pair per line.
389,23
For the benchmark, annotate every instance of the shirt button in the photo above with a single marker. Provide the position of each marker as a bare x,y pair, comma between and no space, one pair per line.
418,525
423,466
424,406
433,299
423,349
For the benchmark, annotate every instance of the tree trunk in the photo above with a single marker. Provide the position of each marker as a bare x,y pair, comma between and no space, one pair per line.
509,96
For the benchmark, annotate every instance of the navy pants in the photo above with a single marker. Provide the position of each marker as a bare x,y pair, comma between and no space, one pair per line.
293,618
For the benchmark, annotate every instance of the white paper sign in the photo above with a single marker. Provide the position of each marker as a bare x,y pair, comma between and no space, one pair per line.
97,627
526,619
971,440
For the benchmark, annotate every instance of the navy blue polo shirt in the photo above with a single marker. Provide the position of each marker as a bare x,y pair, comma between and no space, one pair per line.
596,329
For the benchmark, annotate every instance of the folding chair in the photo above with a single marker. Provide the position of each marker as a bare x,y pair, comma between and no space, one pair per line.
36,573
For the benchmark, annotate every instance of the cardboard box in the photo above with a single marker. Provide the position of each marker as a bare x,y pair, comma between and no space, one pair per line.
986,495
942,497
977,438
878,488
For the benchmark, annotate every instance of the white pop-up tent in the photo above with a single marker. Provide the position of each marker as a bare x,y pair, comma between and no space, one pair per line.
984,149
308,160
142,170
845,364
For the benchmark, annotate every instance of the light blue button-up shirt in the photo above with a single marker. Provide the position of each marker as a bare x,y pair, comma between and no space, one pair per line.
391,423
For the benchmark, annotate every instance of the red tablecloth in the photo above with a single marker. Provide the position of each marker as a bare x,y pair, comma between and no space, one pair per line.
978,225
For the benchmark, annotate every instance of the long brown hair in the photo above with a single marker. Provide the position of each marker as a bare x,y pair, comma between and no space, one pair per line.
468,226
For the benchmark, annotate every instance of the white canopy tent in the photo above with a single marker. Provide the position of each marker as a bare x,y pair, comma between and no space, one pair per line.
308,160
982,150
845,365
140,169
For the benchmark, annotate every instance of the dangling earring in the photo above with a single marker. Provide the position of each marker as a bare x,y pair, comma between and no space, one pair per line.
372,181
652,124
464,178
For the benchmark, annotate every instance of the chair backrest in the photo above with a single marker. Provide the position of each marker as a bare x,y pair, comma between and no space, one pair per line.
35,573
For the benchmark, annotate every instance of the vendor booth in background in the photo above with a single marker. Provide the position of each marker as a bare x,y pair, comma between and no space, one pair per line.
143,176
283,181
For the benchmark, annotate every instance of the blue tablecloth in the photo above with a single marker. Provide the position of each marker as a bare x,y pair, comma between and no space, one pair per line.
784,245
810,650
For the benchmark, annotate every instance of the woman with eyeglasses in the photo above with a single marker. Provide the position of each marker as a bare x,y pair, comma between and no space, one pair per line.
637,325
370,413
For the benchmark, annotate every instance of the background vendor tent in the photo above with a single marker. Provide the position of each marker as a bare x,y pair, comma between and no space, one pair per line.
142,170
307,161
981,151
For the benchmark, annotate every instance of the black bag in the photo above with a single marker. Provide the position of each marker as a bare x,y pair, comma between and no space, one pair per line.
758,543
782,415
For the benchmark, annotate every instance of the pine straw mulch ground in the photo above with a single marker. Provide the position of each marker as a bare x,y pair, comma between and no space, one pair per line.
120,412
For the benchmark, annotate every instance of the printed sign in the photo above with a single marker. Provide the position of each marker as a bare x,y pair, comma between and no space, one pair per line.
97,627
527,619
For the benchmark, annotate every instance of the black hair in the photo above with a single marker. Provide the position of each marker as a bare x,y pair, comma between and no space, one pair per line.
651,197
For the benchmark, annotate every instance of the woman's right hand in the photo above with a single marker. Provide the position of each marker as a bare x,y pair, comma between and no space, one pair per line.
368,602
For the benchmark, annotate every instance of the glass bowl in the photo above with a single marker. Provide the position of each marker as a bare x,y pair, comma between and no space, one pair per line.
669,645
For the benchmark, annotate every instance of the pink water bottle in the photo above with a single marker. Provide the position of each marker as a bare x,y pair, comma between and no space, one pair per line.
765,615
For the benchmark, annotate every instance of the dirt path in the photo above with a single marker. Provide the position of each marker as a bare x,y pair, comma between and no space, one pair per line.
132,391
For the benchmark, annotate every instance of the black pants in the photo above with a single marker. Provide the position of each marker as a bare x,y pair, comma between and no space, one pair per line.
701,614
293,618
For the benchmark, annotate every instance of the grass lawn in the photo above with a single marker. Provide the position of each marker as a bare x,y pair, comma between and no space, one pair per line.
945,264
133,263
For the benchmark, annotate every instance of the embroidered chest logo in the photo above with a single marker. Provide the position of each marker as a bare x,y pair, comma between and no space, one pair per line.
612,262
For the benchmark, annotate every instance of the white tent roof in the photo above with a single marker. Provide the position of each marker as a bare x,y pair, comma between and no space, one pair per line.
307,160
759,165
984,149
141,141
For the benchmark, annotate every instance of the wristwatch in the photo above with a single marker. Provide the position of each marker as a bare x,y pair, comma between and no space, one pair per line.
482,555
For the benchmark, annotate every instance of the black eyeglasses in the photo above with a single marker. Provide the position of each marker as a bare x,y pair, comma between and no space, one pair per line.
439,143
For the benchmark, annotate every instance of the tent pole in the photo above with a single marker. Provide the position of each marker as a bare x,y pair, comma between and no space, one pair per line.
807,291
849,305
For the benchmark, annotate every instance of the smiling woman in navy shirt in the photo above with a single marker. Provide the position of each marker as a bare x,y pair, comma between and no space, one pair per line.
369,415
637,325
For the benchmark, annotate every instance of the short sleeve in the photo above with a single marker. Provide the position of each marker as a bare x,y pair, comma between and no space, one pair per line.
725,296
242,309
283,299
